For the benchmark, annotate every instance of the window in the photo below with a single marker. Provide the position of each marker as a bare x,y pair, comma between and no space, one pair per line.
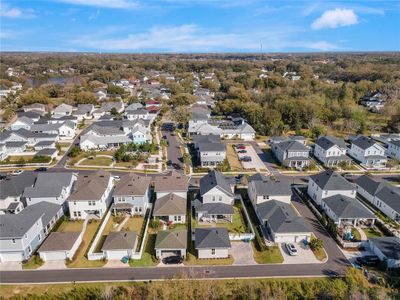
220,198
13,241
265,197
39,237
29,249
212,251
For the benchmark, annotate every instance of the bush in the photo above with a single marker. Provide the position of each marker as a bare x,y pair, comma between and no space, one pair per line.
155,224
74,152
316,244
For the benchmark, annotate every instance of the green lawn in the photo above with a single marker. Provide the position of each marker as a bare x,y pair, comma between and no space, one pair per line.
70,226
32,263
372,232
97,161
356,234
80,260
270,256
148,256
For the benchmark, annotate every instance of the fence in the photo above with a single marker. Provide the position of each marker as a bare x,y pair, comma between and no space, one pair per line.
98,256
138,255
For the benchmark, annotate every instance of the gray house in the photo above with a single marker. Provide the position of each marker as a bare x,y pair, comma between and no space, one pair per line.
387,249
171,243
212,242
210,150
292,154
331,151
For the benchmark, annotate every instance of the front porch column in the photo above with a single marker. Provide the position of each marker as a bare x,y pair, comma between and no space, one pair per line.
372,223
355,222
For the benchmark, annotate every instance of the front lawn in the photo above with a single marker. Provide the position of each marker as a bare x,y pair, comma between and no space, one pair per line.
148,256
272,255
80,260
372,232
32,263
97,161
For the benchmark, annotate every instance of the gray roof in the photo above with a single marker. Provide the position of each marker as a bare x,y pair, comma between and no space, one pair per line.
371,185
120,240
210,238
134,106
46,152
49,185
15,144
389,246
326,142
205,147
15,226
292,146
214,179
267,186
346,207
281,217
13,186
170,204
59,241
329,180
176,239
363,142
198,138
216,208
25,120
390,197
140,111
44,143
132,184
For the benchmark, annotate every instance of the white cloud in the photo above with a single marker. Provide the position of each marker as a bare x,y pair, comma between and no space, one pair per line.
323,46
335,18
121,4
15,12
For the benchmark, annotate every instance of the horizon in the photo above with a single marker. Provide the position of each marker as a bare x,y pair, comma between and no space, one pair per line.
210,26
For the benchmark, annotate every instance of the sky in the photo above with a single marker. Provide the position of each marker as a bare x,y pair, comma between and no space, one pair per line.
188,26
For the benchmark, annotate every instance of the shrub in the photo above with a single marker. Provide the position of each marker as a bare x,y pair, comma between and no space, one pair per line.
155,224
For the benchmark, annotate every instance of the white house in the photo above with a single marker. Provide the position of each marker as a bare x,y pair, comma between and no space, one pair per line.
62,110
212,243
22,122
91,196
168,242
331,151
292,154
368,152
170,209
119,244
394,149
387,249
329,183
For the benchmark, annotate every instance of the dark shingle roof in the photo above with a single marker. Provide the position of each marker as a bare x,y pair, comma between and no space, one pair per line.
176,239
267,186
389,246
13,186
326,142
363,142
215,208
391,197
207,238
292,146
170,204
213,179
346,207
59,241
281,217
120,240
132,184
370,185
204,147
329,180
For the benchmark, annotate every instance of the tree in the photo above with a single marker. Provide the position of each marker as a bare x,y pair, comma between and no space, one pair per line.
74,152
114,111
181,115
187,159
316,243
85,98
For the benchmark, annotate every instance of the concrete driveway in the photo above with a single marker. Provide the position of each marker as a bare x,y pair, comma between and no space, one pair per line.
242,253
255,163
115,263
53,265
10,266
304,256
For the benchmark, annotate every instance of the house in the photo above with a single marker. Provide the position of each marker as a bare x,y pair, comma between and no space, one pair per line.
381,194
394,149
296,138
36,107
14,148
98,113
22,122
331,151
368,152
109,106
343,211
215,199
50,187
11,190
63,130
133,106
212,242
140,113
21,234
226,129
23,135
329,183
171,242
151,103
101,95
387,249
91,196
60,246
292,154
262,188
44,144
120,244
282,222
62,110
210,150
48,152
132,195
172,182
374,101
170,209
84,111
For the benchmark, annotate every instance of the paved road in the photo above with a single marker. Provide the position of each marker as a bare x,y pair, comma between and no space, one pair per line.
173,150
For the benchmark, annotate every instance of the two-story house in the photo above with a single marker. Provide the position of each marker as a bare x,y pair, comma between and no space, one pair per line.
210,150
328,183
22,122
62,110
91,196
132,195
215,199
171,183
368,152
292,154
140,113
394,149
331,151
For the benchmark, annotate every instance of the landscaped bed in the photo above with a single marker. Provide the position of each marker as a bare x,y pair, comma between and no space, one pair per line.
372,232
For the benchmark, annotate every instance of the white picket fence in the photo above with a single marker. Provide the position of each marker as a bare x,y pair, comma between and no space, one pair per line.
138,255
98,256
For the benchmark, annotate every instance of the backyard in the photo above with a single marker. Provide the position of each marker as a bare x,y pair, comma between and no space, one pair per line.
70,226
372,232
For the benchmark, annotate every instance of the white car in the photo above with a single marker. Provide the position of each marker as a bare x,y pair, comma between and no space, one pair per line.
17,172
291,248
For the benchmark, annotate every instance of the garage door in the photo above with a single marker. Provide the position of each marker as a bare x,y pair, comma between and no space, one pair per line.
4,257
170,253
53,255
116,254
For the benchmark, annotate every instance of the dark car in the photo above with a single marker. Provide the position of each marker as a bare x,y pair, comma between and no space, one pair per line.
169,163
242,151
368,260
245,158
172,260
41,169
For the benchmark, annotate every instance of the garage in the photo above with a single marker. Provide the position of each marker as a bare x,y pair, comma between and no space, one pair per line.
117,254
291,238
53,255
171,243
13,256
60,246
119,244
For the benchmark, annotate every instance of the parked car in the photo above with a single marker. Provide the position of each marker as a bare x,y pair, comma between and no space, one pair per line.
291,248
172,260
348,175
245,158
169,162
240,146
17,172
367,260
41,169
242,151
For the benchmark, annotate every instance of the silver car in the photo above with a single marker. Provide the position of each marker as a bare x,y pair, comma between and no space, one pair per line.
291,248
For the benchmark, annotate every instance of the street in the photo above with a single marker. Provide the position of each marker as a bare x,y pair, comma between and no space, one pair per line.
173,150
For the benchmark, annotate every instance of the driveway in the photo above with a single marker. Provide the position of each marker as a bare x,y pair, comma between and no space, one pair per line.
115,263
53,265
269,162
173,150
305,256
255,163
10,266
242,253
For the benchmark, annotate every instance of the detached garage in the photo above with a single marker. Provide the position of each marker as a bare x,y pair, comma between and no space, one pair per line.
119,244
60,246
282,222
171,243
